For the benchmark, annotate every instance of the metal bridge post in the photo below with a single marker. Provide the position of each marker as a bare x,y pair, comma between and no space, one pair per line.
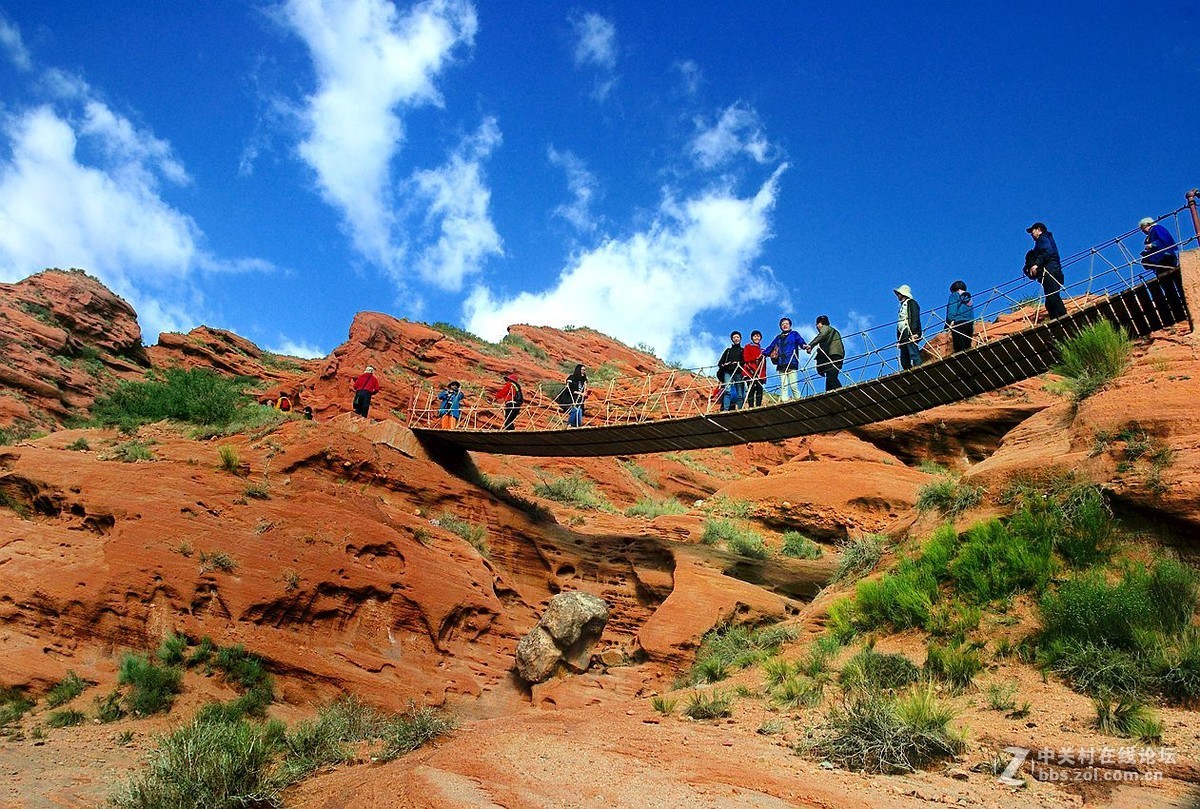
1191,203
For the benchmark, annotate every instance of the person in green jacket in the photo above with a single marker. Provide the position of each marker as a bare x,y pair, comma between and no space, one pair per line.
830,352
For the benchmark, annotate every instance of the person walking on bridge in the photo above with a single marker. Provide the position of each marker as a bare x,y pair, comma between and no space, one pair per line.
512,397
573,394
754,369
1042,265
784,351
908,328
1160,253
364,386
830,352
729,373
960,317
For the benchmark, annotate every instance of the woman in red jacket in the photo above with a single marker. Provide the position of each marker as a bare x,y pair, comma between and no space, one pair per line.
754,369
512,397
365,386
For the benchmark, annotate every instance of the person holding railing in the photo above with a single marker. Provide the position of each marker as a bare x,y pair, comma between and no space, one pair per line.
754,369
830,352
908,328
1160,253
960,317
573,393
1042,265
784,351
450,405
729,373
512,397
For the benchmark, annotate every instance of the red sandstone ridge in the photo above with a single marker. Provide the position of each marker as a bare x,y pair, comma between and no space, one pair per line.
64,334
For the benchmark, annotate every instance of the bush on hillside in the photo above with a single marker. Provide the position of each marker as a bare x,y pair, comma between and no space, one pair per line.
1098,354
197,396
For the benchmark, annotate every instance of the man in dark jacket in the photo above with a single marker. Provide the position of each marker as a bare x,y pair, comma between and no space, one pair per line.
1042,265
960,316
729,373
830,352
908,328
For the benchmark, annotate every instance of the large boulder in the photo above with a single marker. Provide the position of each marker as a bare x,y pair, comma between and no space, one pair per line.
566,635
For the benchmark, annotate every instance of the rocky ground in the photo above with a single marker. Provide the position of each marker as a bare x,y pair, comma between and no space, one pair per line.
346,577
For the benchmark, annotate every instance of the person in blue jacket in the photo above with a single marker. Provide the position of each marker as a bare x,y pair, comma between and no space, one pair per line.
450,405
784,351
1161,254
960,316
1043,265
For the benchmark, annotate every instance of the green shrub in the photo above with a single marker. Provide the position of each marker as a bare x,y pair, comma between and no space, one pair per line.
873,671
1178,670
230,460
819,655
574,490
953,620
197,396
322,741
997,562
203,652
722,506
474,534
522,343
719,530
1097,668
404,734
66,690
133,451
902,599
798,546
66,718
152,688
208,765
651,507
218,560
172,650
948,496
108,708
1002,697
956,665
1098,354
797,692
735,647
712,705
777,670
1128,718
79,445
749,544
13,705
879,734
859,556
664,705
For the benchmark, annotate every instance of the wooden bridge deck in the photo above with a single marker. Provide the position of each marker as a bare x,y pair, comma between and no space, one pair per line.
987,367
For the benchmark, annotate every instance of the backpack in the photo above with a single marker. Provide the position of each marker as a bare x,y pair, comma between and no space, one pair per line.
284,403
518,395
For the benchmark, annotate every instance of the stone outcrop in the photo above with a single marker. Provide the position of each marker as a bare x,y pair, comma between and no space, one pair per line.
566,635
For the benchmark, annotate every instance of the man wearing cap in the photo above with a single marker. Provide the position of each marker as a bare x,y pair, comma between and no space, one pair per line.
1042,265
364,386
1161,254
908,327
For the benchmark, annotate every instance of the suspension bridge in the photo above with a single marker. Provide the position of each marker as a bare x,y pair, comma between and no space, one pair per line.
1013,340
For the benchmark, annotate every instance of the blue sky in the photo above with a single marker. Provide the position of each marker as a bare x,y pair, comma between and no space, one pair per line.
661,171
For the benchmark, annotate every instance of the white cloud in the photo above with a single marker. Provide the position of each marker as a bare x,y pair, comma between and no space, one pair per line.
596,47
582,185
13,46
690,75
649,288
597,41
370,60
457,200
737,132
292,348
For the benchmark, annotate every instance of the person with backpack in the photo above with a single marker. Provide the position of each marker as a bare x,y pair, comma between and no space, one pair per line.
1043,265
450,405
831,352
729,373
784,351
512,397
1160,253
908,328
960,317
364,386
754,369
284,402
571,397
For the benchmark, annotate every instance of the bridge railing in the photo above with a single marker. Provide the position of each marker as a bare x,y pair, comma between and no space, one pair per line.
1102,270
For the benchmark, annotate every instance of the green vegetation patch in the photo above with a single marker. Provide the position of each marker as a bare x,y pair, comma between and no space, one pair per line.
798,546
651,507
734,647
1097,355
66,689
196,396
574,490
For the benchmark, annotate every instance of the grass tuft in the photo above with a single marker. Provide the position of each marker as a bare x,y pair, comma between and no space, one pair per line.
1098,354
859,557
67,689
798,546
